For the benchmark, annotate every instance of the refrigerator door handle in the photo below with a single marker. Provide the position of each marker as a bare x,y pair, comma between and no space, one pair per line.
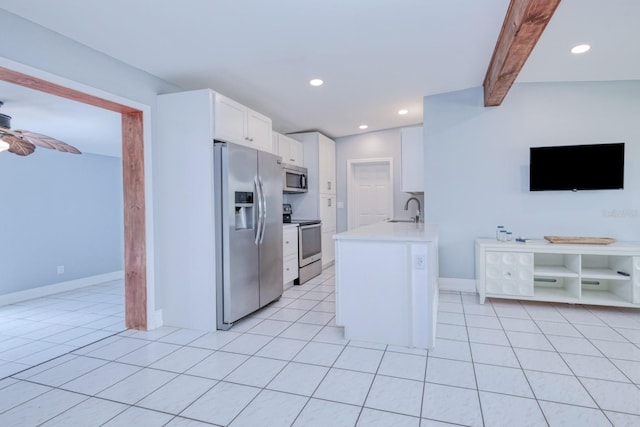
264,210
259,226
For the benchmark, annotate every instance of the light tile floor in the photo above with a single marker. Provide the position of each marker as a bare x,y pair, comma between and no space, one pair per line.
504,363
37,330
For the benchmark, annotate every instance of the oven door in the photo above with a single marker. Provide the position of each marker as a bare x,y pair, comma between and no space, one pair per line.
309,244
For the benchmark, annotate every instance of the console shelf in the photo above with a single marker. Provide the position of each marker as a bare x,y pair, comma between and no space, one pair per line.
567,273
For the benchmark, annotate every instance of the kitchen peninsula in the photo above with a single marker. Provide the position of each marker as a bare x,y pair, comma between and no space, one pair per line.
386,283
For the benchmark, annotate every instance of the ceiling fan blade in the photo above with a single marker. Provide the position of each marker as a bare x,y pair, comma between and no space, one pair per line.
18,145
47,142
8,131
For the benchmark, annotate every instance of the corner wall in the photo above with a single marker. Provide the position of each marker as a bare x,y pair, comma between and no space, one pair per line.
477,165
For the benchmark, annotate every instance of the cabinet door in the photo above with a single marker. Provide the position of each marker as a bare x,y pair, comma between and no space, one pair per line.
289,269
284,149
290,242
275,143
328,246
296,151
290,150
412,160
327,165
509,273
259,133
328,211
230,119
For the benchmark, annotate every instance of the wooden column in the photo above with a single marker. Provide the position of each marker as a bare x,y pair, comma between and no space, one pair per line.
522,27
135,254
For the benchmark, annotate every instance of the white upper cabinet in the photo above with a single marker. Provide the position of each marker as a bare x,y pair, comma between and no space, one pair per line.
291,151
412,160
327,164
259,131
237,123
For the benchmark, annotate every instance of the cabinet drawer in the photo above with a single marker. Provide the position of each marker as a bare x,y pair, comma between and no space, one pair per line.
290,269
290,242
509,273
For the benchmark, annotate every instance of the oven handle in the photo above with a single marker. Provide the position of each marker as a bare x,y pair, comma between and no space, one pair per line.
311,226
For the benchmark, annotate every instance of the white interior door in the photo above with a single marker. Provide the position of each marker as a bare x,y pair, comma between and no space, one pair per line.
370,191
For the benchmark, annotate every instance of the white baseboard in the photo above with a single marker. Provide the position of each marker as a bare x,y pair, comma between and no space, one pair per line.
457,285
55,288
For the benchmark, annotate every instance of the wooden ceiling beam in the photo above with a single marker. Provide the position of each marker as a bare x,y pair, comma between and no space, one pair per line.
522,27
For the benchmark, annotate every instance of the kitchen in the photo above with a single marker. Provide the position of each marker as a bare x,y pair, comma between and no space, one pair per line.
454,386
312,159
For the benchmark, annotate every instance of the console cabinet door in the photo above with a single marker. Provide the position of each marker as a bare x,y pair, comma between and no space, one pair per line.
509,273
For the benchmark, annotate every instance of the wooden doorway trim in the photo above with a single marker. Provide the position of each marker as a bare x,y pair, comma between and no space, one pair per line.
135,259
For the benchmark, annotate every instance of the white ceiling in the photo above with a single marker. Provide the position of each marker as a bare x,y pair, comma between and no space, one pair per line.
375,56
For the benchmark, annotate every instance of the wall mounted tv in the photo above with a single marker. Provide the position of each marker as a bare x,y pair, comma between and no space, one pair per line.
577,167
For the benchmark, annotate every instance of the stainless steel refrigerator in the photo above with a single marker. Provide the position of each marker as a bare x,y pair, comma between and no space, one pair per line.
248,221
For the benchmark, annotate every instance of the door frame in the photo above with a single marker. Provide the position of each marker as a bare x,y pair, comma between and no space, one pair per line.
136,174
351,164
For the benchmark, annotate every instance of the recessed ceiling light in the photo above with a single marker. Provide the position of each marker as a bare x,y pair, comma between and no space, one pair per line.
363,126
581,48
316,82
403,112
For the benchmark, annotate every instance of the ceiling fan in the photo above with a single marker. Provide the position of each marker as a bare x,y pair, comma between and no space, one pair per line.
23,142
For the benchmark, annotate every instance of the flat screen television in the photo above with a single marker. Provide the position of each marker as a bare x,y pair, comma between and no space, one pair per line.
577,167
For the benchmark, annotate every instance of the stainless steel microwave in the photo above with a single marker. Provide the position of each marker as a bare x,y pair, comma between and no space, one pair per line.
294,179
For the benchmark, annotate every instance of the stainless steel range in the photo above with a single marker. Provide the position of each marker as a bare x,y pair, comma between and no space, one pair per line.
309,245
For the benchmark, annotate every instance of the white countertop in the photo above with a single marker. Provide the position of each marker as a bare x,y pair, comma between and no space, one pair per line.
392,231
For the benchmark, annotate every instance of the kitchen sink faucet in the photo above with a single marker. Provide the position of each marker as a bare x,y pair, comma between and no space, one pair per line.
406,208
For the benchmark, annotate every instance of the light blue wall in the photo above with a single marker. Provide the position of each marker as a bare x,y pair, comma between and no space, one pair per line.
34,46
58,209
477,165
384,143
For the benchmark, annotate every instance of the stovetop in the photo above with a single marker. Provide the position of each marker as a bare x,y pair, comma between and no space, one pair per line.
302,221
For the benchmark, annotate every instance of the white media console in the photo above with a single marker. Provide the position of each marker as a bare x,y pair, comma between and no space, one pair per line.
569,273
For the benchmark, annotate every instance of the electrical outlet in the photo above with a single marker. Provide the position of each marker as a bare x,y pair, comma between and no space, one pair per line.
61,269
419,262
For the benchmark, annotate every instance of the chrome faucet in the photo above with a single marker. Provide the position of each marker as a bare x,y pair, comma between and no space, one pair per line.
406,208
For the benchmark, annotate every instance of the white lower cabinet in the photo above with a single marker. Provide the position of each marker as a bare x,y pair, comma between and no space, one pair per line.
542,271
289,255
